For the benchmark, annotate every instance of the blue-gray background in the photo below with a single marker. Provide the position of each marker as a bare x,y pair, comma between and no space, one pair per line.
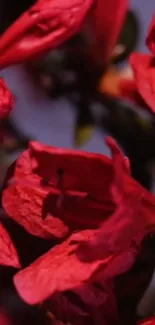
53,122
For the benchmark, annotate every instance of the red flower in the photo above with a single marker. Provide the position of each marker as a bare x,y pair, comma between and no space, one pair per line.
89,192
6,100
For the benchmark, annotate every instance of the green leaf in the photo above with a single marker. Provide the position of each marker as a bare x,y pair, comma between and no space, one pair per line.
83,134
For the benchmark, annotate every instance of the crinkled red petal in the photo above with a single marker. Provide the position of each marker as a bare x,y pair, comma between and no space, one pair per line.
87,200
6,100
8,253
61,269
144,72
25,205
57,270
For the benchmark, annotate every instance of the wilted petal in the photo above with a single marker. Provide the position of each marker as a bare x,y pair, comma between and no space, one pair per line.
8,254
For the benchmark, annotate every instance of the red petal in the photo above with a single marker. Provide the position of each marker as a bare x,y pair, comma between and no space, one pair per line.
131,221
44,26
8,254
150,40
107,20
57,270
129,91
121,170
144,71
60,270
6,100
87,200
25,205
46,161
121,231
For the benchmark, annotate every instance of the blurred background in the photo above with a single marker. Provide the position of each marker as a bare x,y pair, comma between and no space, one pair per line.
52,121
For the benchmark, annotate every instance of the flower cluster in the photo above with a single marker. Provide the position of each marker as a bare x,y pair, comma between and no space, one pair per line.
91,211
97,216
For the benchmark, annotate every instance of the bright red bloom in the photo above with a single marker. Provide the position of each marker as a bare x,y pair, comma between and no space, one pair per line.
6,100
85,191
